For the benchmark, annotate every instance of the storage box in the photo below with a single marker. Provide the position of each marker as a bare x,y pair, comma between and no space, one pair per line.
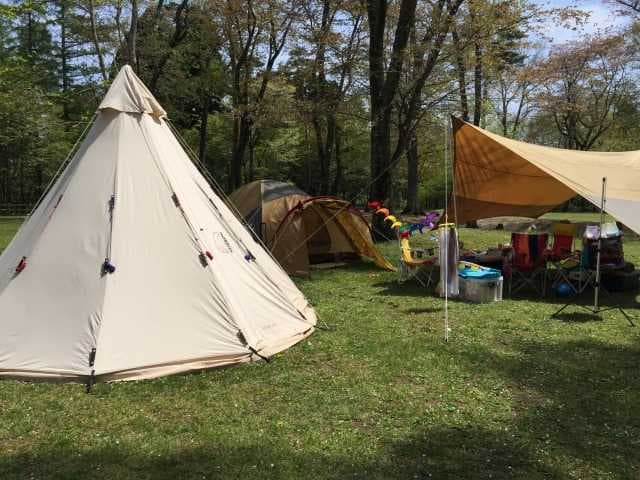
621,281
481,290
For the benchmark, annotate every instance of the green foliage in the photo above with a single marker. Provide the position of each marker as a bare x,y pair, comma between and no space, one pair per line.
184,56
30,133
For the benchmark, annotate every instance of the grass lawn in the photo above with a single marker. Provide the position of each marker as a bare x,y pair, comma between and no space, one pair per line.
8,227
513,394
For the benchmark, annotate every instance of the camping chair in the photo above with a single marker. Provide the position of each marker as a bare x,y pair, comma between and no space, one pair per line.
583,275
561,256
413,264
528,263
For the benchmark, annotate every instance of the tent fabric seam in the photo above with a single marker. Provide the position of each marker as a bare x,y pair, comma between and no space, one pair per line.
233,321
107,275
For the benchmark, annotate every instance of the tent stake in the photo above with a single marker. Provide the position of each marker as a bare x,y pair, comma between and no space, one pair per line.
92,377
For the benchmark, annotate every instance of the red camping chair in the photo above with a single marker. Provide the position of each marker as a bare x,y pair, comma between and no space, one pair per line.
528,263
558,255
561,248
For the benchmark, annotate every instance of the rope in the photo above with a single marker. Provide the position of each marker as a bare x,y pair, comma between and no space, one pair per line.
112,207
195,237
216,186
63,165
218,189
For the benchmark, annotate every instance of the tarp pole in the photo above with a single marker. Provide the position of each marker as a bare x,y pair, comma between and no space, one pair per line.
446,221
596,309
596,296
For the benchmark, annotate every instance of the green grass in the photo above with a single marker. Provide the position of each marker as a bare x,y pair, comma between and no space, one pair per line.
513,394
8,227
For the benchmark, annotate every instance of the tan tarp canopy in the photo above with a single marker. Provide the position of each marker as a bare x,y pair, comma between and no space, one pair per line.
185,294
299,228
496,176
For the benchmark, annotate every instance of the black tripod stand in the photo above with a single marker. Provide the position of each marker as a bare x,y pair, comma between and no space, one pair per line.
597,309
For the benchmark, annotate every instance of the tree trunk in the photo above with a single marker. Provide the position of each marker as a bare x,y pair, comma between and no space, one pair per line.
381,176
116,18
308,172
383,85
96,42
330,143
204,121
337,181
505,106
462,76
503,120
413,204
485,94
22,182
380,154
252,150
321,115
477,84
133,33
241,132
64,65
323,161
29,33
179,34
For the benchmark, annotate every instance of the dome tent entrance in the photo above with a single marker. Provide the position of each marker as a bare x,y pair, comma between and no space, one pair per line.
301,229
135,268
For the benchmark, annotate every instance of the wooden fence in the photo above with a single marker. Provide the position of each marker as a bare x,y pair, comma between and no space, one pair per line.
15,209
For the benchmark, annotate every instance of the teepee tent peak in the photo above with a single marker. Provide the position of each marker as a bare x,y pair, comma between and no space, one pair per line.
128,94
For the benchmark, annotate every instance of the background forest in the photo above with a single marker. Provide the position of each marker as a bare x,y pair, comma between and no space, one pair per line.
346,97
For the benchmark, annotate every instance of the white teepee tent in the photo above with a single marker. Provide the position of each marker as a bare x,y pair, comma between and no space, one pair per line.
132,267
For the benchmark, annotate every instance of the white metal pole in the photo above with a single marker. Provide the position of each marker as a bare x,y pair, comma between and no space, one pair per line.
603,200
446,237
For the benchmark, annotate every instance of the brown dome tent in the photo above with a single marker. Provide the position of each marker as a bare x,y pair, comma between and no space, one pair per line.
300,229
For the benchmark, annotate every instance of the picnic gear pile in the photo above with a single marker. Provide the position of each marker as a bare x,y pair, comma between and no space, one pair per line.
132,267
466,280
495,176
540,262
301,230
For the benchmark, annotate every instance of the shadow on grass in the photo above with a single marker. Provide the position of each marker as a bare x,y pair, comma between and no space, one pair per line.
627,300
433,453
572,404
575,399
421,310
407,289
578,317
